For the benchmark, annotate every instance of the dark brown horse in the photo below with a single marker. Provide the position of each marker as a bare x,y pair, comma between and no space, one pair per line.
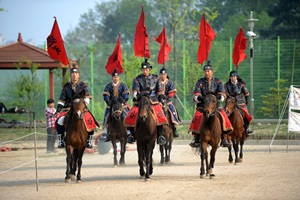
76,137
210,134
117,130
238,135
146,133
165,149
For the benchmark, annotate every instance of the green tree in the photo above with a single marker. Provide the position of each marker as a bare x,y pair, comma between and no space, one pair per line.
29,87
286,22
274,100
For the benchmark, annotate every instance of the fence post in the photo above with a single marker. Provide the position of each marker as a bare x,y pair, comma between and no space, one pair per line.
278,72
92,75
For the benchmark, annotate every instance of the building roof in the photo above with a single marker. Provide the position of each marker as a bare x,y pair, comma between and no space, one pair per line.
11,54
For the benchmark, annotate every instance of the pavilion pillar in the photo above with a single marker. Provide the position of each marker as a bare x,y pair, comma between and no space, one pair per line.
51,84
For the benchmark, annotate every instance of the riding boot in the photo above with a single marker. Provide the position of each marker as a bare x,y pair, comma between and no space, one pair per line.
196,141
225,142
161,140
60,136
247,128
175,134
105,132
89,143
130,137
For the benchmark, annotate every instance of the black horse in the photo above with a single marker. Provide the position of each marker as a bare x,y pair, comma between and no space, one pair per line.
76,137
146,133
117,129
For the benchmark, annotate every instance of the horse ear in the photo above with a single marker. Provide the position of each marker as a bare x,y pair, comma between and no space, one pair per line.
82,93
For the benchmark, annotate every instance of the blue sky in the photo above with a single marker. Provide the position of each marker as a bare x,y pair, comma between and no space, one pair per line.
34,18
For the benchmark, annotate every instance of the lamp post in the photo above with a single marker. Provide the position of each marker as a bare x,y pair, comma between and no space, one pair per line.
251,36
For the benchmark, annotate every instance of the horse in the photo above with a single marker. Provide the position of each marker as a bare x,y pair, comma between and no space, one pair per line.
117,129
165,149
145,134
210,134
76,137
238,135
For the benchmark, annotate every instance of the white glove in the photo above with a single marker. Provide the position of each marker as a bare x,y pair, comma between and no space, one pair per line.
222,98
87,100
135,94
196,99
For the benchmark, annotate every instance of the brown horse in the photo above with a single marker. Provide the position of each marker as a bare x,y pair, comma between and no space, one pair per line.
76,137
165,149
210,134
117,130
146,133
238,135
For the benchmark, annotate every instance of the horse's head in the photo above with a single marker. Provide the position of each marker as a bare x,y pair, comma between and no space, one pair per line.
144,106
230,105
210,105
116,108
163,100
78,104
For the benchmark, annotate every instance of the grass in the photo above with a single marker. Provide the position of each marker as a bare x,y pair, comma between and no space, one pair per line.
261,131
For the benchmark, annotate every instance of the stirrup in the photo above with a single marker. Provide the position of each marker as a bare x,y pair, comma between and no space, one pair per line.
161,140
130,139
225,143
194,144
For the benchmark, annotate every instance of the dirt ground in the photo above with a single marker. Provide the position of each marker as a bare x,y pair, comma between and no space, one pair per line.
261,175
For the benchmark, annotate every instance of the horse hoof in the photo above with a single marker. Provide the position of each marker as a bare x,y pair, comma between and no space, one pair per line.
67,180
79,181
147,179
115,166
211,176
240,160
73,178
201,176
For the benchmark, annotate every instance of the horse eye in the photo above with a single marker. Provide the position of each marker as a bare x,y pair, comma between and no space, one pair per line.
76,100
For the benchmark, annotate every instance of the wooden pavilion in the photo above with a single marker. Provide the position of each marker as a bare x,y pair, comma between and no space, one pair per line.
11,54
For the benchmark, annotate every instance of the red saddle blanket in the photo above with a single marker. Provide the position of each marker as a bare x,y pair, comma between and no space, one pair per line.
196,122
130,119
89,121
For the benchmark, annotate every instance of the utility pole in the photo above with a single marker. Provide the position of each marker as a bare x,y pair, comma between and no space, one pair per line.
251,36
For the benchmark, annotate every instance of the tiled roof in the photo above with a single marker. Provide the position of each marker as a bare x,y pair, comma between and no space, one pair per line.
11,54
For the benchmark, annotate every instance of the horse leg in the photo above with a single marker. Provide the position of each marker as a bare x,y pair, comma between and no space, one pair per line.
68,161
79,161
122,152
230,159
241,150
141,160
236,151
161,149
212,161
202,156
168,152
113,141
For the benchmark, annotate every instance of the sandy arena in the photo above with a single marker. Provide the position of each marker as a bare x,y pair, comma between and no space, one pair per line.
261,175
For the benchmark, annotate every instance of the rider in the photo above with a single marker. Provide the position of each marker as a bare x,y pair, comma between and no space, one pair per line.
204,86
236,87
116,89
148,83
64,105
169,90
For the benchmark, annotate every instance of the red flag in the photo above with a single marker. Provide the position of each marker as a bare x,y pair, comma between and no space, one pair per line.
240,43
165,47
141,41
206,36
55,45
115,59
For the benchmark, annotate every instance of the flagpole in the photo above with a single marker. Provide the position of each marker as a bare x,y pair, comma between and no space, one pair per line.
164,46
144,33
205,36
